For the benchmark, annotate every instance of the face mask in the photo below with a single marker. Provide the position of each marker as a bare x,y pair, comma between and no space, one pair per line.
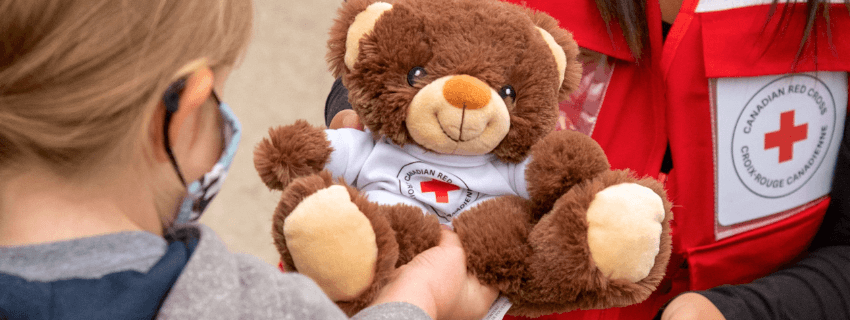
201,192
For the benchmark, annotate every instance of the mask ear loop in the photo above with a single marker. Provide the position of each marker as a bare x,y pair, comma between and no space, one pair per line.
171,99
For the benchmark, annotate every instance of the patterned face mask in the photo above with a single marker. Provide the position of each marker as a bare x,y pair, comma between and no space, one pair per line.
201,192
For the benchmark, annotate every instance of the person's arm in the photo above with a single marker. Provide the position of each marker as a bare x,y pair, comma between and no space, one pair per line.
818,287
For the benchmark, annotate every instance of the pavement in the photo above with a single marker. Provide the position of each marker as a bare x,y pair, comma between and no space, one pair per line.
283,77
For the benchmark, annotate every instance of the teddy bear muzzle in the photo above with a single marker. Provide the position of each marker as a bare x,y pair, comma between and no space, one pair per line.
458,114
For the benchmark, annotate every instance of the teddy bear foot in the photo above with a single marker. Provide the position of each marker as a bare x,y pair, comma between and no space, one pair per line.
604,244
624,231
332,242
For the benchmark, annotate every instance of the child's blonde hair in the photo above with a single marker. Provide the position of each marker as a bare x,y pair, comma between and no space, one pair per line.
81,78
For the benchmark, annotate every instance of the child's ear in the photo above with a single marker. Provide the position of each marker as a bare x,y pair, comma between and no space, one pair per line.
185,122
356,20
564,48
199,86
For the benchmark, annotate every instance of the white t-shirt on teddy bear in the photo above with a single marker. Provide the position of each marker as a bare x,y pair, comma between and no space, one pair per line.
443,185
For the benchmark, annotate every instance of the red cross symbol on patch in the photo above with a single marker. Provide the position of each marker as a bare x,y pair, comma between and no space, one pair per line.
439,188
786,136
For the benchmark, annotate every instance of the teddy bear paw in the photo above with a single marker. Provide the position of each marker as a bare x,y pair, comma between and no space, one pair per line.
624,230
332,242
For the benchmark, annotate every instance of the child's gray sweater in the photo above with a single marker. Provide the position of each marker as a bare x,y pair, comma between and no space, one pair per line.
215,283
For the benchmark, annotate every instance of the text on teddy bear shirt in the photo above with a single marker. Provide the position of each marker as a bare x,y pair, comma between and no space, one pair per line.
443,185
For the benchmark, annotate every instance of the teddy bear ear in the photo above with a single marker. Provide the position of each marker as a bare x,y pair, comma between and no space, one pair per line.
564,49
557,51
356,19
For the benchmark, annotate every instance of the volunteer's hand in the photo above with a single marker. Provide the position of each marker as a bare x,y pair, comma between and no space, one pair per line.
436,280
346,119
691,306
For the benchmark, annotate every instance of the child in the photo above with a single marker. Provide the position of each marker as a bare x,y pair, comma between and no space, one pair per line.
112,141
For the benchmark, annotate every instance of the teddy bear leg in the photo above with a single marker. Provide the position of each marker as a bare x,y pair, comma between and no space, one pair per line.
494,235
605,244
332,234
415,231
401,232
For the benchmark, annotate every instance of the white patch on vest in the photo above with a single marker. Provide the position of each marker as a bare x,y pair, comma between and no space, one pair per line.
776,144
720,5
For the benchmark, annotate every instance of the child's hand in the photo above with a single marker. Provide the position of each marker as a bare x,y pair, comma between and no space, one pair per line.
436,280
346,119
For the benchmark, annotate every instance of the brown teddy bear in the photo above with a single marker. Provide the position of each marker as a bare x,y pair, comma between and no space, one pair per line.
459,99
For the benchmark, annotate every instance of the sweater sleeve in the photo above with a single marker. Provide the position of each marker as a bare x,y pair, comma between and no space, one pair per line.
392,311
351,149
514,175
518,182
818,287
306,301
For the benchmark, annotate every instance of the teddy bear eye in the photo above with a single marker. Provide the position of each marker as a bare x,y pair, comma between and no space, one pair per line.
415,74
507,91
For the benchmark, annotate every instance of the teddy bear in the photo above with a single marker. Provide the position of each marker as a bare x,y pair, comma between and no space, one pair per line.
459,99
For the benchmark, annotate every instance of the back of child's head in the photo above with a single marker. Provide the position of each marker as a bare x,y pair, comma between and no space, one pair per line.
80,79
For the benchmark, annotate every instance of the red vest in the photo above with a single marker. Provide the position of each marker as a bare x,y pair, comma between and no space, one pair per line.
753,136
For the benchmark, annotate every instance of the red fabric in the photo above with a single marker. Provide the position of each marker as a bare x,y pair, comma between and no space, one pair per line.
632,134
732,44
747,47
583,20
636,120
753,254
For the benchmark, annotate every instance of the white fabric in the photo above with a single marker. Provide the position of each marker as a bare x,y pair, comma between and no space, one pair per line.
390,174
499,309
777,140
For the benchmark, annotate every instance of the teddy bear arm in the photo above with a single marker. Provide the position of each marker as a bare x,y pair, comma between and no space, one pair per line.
290,152
558,162
299,150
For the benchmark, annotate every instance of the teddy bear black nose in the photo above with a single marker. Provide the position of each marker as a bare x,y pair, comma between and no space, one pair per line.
466,91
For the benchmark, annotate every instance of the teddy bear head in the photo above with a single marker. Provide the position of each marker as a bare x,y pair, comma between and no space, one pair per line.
464,77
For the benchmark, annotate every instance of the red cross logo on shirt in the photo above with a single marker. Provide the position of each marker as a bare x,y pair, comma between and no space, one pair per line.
439,188
786,136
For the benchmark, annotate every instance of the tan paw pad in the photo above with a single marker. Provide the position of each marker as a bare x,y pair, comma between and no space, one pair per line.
624,230
332,242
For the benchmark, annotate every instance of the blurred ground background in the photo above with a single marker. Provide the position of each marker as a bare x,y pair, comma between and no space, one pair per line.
283,77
